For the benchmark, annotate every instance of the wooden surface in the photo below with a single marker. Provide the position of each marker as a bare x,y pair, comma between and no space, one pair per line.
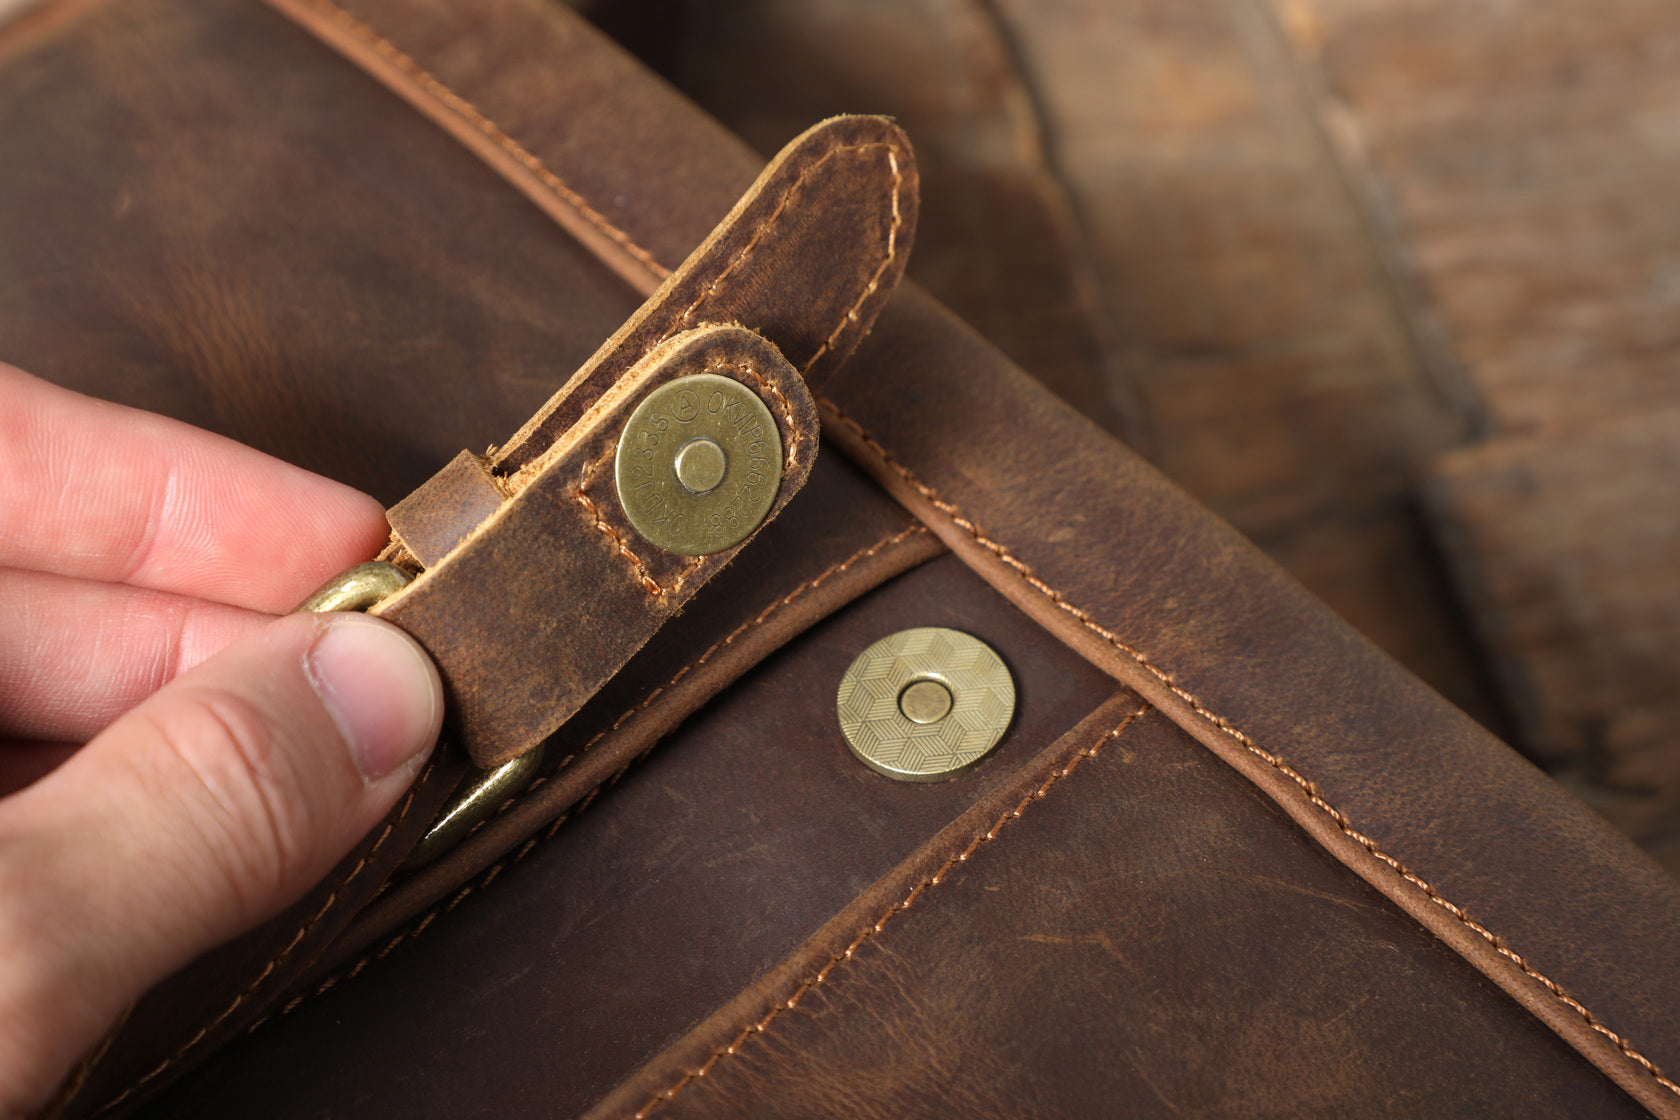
1315,257
1530,151
1568,545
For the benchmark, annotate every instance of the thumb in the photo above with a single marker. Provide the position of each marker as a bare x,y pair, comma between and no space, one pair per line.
209,807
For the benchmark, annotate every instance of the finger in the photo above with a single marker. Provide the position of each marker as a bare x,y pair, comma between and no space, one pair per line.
211,806
98,491
75,655
24,763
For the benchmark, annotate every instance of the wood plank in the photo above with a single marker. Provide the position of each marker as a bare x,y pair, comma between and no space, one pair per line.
1568,550
1530,150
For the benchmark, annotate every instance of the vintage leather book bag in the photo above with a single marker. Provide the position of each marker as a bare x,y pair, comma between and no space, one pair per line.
1181,842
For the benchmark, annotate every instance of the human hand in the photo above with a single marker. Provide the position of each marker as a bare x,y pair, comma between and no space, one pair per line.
232,757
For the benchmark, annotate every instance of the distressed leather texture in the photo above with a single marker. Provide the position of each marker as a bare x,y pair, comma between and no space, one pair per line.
808,255
533,609
1229,860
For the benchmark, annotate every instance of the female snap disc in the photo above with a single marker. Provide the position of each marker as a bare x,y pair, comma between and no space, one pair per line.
925,704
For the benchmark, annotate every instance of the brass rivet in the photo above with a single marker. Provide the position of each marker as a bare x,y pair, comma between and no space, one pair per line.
925,704
699,463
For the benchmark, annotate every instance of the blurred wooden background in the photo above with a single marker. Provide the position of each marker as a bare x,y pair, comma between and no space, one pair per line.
1393,285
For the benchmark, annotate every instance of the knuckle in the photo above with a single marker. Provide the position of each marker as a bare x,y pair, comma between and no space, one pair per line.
250,800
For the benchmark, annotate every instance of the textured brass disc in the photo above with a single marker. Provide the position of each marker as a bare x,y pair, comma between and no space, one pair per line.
925,704
664,445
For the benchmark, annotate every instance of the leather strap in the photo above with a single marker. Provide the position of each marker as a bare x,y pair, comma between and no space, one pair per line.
536,590
552,593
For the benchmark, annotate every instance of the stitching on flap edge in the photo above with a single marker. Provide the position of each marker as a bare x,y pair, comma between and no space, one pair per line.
1225,726
279,958
869,932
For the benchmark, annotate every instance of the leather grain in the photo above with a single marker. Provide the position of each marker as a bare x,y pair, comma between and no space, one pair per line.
840,539
156,252
1116,951
1220,623
1404,789
429,523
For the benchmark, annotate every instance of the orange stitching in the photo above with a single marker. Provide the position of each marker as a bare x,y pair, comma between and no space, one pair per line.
821,975
649,584
875,280
775,391
769,224
489,128
484,881
1307,786
531,163
808,585
278,959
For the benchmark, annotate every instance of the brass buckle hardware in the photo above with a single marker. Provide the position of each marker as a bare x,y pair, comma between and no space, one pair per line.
482,791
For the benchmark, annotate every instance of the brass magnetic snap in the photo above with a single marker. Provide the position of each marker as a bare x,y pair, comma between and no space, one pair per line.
925,704
699,463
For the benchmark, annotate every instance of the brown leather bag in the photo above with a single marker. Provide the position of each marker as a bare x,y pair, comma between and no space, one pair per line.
1227,859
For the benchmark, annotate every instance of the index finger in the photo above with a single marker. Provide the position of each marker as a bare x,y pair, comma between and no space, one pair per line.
98,491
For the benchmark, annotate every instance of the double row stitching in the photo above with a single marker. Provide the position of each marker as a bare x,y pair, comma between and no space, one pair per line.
769,224
1307,786
279,958
489,129
403,62
869,932
488,876
460,896
755,622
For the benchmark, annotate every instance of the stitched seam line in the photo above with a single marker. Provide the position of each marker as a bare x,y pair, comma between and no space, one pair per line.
620,544
775,393
488,876
1306,785
871,931
460,896
460,105
880,270
279,958
769,224
467,111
